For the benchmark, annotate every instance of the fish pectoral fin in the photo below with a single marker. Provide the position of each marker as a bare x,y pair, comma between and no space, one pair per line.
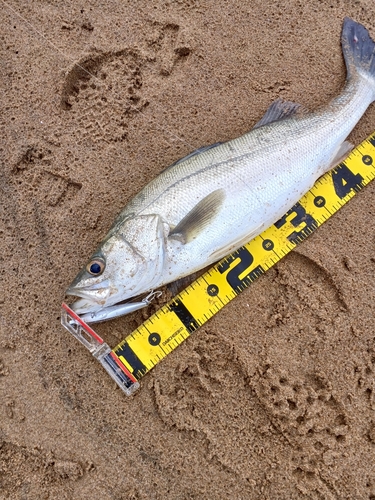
198,218
279,110
234,245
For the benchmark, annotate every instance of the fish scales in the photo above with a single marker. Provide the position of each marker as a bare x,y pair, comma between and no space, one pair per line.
210,203
263,149
287,151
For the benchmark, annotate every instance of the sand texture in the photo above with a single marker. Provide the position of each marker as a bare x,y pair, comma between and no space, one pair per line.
274,398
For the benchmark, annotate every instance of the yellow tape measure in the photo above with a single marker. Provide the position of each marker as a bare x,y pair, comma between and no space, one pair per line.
173,323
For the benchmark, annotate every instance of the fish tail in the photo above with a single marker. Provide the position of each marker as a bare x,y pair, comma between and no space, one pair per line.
359,51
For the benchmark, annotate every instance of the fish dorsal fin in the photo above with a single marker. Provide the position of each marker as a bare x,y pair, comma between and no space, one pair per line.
198,217
194,153
279,110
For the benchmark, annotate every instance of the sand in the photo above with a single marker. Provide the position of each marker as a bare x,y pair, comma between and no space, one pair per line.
273,398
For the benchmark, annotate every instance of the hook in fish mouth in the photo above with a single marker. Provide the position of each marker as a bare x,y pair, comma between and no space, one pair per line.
117,310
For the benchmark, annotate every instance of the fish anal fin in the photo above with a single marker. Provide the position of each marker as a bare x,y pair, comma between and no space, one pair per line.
199,217
340,156
279,110
342,153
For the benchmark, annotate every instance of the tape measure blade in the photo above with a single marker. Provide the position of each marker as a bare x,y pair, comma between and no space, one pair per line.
200,301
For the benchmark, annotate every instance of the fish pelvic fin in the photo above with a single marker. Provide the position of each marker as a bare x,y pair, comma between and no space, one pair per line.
198,218
279,110
177,286
358,50
234,245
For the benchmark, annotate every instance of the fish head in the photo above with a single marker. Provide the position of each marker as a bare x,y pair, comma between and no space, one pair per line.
128,262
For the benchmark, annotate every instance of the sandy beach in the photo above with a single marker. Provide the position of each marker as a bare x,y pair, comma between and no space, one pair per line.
274,398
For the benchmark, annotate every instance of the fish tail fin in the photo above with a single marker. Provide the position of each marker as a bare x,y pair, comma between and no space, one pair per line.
359,51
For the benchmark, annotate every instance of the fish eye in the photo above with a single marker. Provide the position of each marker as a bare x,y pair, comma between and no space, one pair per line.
95,267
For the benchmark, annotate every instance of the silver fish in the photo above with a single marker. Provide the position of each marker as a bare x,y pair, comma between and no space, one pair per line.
218,198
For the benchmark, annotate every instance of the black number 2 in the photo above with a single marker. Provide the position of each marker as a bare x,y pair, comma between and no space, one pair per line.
233,276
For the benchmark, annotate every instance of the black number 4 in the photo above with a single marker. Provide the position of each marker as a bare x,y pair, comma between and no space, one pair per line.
344,180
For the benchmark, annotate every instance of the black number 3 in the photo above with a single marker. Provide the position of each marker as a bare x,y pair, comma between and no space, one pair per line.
301,217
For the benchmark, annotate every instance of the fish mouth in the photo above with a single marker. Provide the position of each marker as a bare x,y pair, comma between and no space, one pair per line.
95,296
83,306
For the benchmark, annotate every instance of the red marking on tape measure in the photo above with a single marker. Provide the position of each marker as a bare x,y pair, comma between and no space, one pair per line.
123,367
82,323
99,339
